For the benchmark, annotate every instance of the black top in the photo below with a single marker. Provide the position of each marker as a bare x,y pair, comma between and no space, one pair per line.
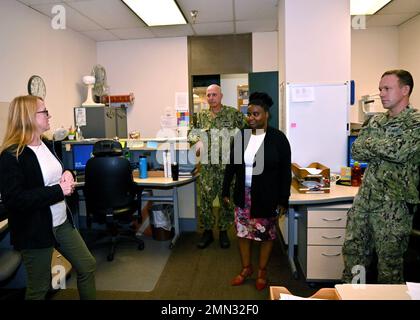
272,186
27,200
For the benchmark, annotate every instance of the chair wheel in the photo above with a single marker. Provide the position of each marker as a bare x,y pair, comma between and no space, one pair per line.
110,257
140,246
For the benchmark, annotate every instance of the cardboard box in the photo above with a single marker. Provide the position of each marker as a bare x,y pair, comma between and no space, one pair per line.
324,293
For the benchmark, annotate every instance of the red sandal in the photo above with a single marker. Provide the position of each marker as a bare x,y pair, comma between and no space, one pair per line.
261,282
240,278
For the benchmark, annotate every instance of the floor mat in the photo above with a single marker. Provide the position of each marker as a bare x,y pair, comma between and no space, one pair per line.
131,269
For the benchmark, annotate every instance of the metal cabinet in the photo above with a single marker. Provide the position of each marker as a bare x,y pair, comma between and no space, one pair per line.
105,122
321,236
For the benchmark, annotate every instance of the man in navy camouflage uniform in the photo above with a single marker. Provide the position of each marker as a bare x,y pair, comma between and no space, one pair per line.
381,217
220,122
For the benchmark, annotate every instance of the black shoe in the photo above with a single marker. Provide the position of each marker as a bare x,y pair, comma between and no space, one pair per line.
224,240
206,239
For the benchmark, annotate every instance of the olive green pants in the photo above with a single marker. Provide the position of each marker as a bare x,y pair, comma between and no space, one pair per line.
38,264
381,226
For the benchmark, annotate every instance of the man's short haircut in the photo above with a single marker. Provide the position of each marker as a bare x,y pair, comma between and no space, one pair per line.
405,78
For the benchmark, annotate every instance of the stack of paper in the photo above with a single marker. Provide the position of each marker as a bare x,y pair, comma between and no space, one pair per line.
313,171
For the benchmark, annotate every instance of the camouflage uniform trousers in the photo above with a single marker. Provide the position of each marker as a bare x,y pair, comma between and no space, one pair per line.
383,226
211,182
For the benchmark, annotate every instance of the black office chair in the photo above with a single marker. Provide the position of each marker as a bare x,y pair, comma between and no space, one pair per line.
10,259
110,192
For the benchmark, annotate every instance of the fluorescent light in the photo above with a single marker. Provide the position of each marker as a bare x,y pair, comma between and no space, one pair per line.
365,7
157,12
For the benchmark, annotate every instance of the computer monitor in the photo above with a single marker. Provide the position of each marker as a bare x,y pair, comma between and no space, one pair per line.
350,160
81,154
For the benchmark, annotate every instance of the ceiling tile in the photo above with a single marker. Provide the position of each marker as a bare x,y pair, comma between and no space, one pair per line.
74,19
100,35
215,17
36,2
256,26
172,31
401,6
213,28
133,33
45,8
208,10
387,19
256,10
110,14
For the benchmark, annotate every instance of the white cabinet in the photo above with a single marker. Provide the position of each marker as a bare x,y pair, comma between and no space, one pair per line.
321,236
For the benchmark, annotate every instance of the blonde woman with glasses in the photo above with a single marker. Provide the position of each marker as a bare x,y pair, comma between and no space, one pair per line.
33,187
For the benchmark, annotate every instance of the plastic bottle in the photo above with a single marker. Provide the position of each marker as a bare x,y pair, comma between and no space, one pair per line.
356,175
143,167
79,135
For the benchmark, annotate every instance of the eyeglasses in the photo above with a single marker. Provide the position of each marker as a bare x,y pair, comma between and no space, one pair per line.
44,112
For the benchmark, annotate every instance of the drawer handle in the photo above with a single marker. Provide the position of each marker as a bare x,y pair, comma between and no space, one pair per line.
335,219
331,254
336,237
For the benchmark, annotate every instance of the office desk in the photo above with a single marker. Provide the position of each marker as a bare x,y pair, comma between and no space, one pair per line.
163,183
167,183
337,194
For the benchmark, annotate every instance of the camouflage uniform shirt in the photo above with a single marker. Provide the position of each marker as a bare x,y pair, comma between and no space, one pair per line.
227,118
391,145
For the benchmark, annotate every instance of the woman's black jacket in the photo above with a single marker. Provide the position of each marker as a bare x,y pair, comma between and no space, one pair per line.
27,200
269,188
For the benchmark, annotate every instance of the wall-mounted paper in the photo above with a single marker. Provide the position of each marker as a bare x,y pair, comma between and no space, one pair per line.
303,94
80,116
181,101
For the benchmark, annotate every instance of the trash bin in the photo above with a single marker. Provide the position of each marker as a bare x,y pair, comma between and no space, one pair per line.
161,221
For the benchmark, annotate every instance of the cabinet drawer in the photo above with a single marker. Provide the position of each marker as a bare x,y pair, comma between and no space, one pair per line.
326,236
324,262
327,219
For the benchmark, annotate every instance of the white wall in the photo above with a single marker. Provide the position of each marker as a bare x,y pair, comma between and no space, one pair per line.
316,39
264,51
229,84
153,69
373,51
30,46
281,47
409,54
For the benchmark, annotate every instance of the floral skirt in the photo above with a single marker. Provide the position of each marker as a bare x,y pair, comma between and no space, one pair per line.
259,229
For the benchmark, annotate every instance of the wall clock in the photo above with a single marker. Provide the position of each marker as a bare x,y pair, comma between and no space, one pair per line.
36,87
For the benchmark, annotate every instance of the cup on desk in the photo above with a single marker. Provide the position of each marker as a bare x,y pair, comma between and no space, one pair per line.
334,177
175,171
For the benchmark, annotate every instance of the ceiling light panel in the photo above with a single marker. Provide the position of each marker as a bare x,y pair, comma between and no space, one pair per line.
366,7
157,12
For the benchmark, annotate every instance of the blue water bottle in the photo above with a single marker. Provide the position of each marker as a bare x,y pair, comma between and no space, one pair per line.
143,167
